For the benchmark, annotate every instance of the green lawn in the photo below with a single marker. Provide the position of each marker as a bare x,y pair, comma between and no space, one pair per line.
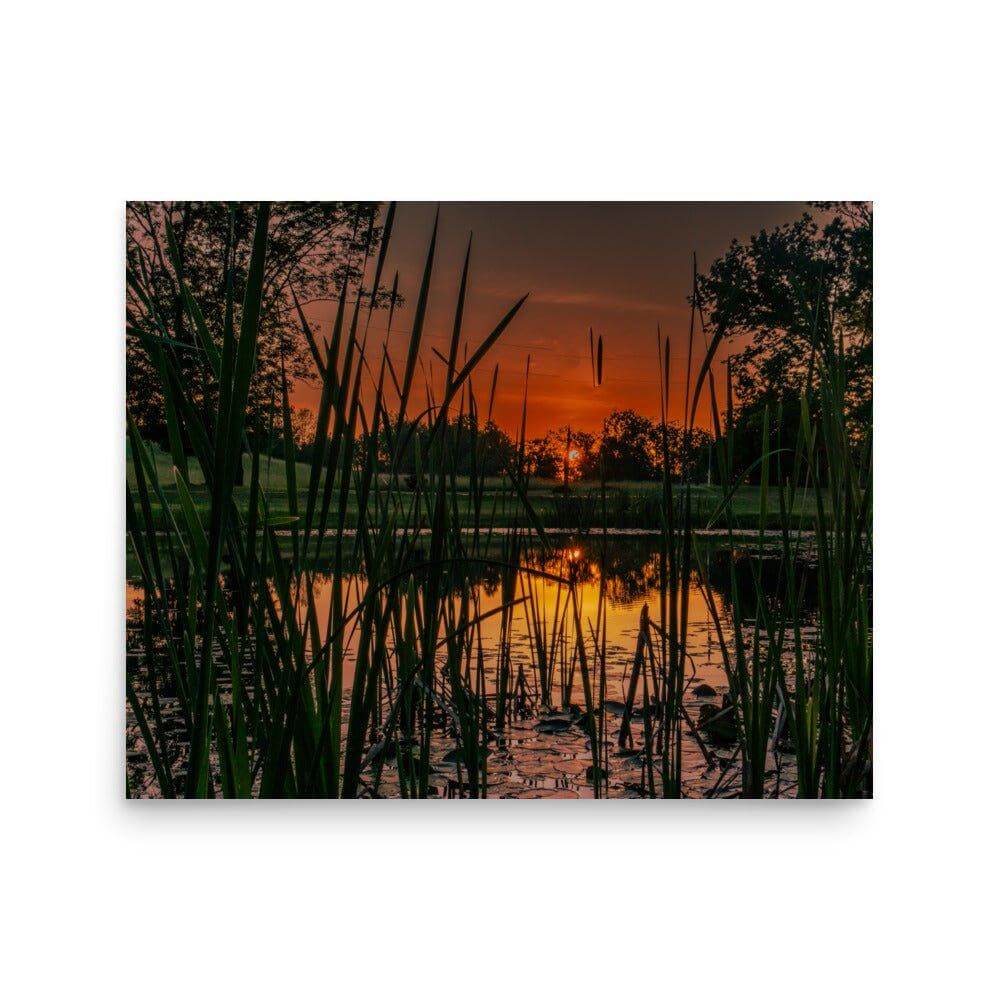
629,504
272,470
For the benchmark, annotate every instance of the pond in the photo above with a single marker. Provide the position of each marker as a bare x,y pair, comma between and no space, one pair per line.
524,638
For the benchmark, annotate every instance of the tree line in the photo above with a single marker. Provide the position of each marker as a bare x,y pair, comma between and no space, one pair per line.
629,446
768,297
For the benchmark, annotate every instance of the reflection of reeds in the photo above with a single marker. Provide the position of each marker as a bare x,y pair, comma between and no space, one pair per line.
232,632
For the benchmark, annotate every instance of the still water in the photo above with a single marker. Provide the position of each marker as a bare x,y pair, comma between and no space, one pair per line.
542,752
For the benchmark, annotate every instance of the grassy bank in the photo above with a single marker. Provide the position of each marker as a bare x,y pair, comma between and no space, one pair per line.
627,504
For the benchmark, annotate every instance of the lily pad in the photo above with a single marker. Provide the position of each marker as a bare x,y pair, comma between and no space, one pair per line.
572,768
553,725
456,756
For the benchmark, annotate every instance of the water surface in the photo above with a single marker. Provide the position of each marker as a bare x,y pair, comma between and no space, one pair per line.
543,750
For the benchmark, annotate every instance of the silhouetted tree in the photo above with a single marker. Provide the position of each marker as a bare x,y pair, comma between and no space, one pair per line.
313,248
688,453
494,450
629,446
780,291
544,456
563,451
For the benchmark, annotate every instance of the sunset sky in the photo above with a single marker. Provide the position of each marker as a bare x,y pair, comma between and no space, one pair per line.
619,267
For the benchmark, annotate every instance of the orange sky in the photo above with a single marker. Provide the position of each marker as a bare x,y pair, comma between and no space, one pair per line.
619,267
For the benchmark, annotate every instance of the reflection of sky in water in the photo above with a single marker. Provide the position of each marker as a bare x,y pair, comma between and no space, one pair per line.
632,570
527,762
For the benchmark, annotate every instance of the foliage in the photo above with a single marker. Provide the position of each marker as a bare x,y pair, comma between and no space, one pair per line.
486,448
313,249
770,295
563,452
632,447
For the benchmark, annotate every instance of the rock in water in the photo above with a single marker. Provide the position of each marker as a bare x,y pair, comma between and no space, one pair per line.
718,724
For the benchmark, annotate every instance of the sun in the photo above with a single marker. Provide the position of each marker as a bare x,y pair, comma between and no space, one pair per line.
574,454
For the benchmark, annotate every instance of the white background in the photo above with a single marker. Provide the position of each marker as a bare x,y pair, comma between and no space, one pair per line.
109,101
